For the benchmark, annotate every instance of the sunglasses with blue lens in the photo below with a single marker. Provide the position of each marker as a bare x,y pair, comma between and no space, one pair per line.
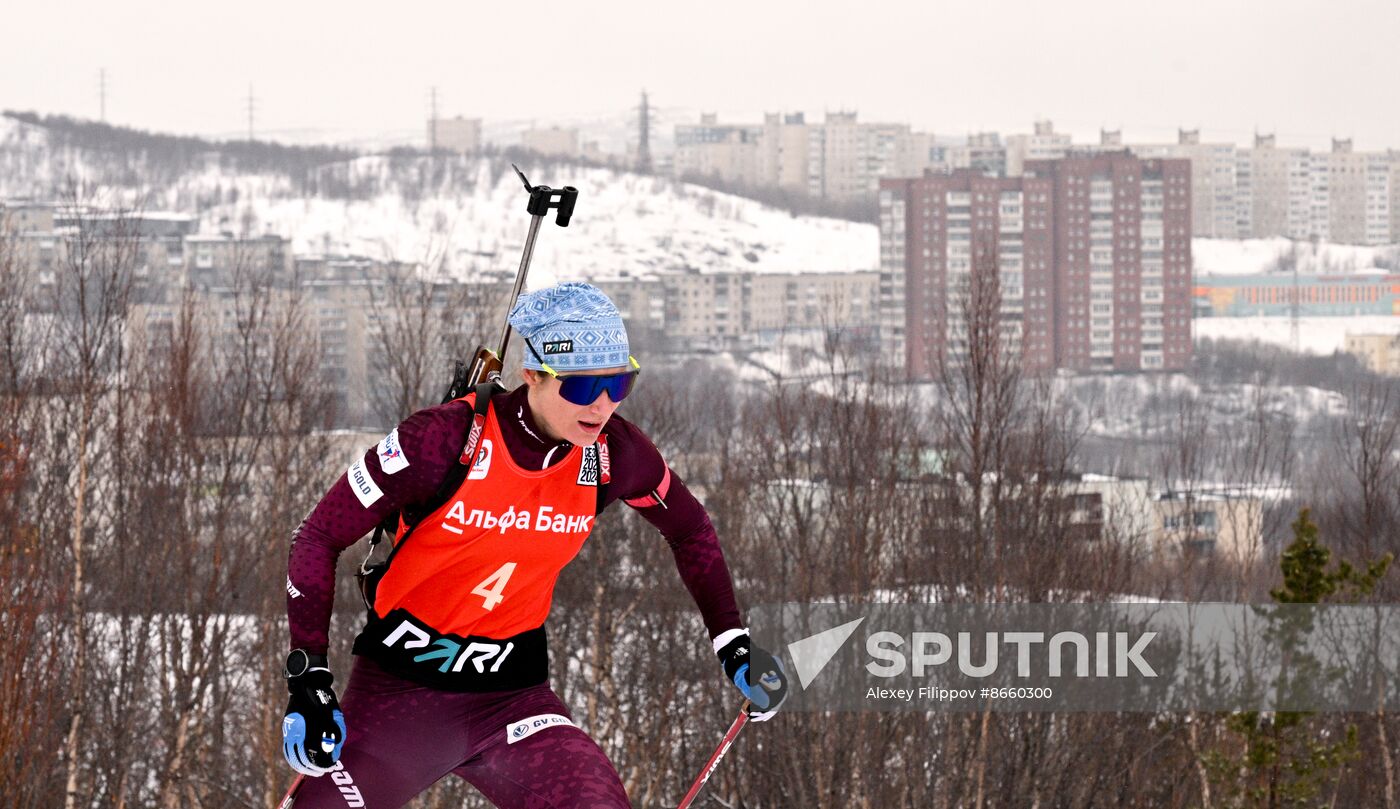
584,389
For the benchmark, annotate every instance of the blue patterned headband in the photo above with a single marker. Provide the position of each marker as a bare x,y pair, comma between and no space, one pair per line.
573,326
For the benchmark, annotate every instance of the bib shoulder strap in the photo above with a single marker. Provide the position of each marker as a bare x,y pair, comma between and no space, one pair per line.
480,408
369,575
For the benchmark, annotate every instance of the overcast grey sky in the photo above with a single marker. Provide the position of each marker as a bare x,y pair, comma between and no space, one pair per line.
1305,69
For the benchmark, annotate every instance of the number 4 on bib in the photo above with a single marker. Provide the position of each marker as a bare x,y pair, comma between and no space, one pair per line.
491,587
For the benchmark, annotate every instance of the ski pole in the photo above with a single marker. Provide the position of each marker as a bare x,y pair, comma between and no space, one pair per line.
286,802
729,737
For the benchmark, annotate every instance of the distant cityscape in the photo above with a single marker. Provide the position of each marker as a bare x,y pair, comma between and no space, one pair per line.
1093,245
1262,190
1090,246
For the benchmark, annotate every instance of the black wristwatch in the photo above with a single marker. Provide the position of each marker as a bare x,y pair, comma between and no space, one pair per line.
301,661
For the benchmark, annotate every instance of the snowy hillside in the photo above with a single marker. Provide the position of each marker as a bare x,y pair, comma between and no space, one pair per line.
1250,256
467,211
1316,335
624,224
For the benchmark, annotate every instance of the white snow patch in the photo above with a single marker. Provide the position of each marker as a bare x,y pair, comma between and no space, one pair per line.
1316,335
1255,256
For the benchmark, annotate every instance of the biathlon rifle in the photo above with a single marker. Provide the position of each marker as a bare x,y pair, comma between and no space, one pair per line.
486,363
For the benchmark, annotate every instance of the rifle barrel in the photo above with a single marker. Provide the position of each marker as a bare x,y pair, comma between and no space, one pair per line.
520,280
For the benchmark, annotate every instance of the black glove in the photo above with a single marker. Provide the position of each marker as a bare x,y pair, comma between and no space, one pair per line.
313,730
758,674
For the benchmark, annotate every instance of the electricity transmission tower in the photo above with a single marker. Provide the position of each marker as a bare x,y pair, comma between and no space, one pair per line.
644,135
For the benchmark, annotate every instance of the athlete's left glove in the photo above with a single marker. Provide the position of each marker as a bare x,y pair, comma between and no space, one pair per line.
313,730
758,674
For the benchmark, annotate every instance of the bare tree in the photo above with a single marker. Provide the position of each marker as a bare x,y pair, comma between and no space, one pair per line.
29,568
91,294
421,322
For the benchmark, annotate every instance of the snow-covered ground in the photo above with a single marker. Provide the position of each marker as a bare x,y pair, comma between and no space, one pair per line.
1131,406
624,225
1251,256
1316,335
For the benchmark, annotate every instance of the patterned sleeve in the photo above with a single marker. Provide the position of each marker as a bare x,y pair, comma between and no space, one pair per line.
406,467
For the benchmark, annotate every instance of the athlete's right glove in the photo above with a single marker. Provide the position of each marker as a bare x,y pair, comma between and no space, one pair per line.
758,674
313,730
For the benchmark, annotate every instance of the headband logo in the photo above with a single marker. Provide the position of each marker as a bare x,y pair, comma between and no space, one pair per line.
559,347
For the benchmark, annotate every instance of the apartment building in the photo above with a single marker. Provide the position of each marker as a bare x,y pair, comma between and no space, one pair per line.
553,141
728,152
983,153
1340,196
333,325
1122,262
1044,143
956,226
1274,191
1380,353
1091,254
846,158
723,310
461,135
937,231
220,260
1358,195
1393,159
784,146
153,244
20,216
1213,181
1225,523
839,159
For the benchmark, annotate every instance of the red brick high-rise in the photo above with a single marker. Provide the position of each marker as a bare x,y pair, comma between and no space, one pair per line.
1092,256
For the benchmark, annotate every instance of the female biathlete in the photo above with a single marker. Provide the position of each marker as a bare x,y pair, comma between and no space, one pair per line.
451,671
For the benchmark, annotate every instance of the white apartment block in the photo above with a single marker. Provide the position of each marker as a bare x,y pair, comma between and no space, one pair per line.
1359,186
1273,192
1380,181
783,151
983,153
728,152
892,263
718,310
1341,196
1267,191
1262,191
1214,182
1043,144
1380,353
553,141
838,159
1393,158
1319,198
846,159
462,135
